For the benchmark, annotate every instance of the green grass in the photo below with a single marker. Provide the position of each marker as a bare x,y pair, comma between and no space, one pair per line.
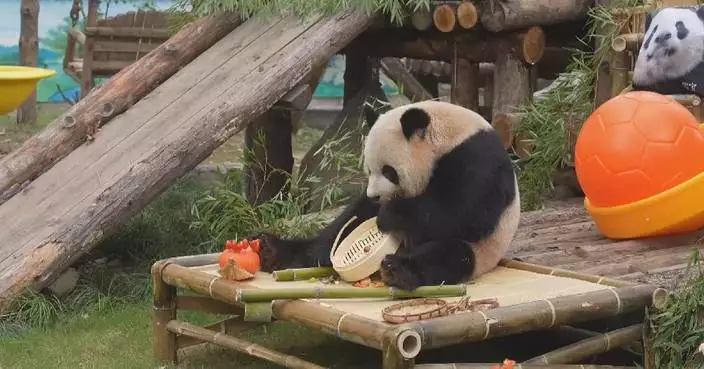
120,337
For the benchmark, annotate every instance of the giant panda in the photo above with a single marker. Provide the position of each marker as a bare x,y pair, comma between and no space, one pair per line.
440,181
671,55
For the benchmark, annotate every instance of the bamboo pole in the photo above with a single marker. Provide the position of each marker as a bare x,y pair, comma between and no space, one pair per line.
231,326
564,273
164,310
517,366
589,347
317,292
627,42
301,274
619,72
239,345
534,315
260,312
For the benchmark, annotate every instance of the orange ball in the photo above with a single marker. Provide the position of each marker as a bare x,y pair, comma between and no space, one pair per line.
637,145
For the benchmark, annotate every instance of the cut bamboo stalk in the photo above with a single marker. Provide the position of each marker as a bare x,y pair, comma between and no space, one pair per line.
400,348
302,274
534,315
564,273
259,312
239,345
627,42
619,72
444,18
164,310
517,366
467,15
586,348
316,292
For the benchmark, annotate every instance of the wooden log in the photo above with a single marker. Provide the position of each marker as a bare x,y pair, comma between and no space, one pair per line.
505,125
515,14
444,18
467,15
41,151
28,42
527,44
589,347
511,84
422,19
408,84
97,195
239,345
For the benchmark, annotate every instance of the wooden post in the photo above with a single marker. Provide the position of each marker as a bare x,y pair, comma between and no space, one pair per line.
87,73
511,84
29,35
268,156
465,84
164,307
359,69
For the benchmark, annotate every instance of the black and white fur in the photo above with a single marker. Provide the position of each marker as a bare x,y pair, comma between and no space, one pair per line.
441,182
670,58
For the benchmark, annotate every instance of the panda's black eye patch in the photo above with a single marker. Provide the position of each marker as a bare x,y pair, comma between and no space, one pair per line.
682,30
390,174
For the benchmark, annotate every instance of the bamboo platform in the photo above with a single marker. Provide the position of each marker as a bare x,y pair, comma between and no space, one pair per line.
565,237
530,297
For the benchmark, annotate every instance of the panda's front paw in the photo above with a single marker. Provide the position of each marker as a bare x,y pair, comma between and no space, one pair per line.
388,220
397,271
270,252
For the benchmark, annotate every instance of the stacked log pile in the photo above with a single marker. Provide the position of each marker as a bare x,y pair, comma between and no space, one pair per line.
491,52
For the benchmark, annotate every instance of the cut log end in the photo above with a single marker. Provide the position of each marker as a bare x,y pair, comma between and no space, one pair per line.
504,125
467,15
533,44
421,19
444,18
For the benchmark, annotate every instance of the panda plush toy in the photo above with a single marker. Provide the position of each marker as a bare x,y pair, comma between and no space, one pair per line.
670,58
441,182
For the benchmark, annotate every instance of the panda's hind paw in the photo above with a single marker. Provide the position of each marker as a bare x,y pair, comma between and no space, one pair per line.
398,272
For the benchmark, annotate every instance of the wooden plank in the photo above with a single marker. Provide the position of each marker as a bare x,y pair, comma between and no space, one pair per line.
133,163
154,33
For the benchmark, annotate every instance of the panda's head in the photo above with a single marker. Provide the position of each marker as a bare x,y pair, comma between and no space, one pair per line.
673,45
404,144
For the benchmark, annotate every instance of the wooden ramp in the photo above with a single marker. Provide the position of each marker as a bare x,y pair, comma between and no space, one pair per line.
565,237
70,208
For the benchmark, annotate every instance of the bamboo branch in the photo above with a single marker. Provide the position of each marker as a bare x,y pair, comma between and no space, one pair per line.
269,294
301,274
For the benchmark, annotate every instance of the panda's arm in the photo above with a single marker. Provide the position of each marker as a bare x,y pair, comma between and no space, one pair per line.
420,218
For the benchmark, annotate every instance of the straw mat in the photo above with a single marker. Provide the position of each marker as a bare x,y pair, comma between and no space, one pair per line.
508,285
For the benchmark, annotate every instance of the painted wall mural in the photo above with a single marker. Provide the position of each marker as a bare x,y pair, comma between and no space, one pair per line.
54,21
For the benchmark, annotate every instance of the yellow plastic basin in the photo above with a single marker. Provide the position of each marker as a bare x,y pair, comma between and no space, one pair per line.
680,209
17,83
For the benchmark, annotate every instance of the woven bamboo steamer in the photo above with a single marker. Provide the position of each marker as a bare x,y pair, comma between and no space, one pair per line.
360,254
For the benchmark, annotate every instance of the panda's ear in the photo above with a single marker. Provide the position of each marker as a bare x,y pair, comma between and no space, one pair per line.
414,121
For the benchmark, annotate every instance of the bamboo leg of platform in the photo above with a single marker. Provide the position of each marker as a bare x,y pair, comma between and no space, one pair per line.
589,347
240,345
400,346
164,307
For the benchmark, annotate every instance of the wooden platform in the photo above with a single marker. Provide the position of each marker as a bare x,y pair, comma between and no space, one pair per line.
565,237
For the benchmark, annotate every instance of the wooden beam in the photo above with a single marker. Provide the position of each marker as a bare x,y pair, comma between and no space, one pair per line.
157,33
527,45
516,14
